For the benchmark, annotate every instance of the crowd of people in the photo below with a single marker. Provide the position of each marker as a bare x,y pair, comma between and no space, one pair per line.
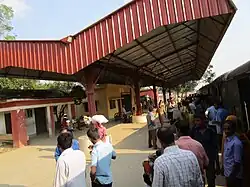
71,161
191,145
191,134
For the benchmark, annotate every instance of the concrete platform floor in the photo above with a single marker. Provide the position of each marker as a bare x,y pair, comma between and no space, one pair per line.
34,166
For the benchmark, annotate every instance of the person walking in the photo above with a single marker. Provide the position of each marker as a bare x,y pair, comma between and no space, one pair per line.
75,145
71,165
151,129
207,137
233,154
187,143
101,155
175,167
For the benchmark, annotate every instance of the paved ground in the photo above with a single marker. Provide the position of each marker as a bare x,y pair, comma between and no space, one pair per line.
34,166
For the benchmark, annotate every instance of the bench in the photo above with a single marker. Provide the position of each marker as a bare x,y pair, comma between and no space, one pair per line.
7,138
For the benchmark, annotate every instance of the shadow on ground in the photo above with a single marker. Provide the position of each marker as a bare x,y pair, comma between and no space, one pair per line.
8,185
137,138
44,140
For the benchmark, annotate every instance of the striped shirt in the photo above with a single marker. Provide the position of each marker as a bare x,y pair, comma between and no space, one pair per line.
177,168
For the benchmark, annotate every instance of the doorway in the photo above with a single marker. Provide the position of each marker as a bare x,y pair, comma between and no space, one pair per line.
7,118
40,119
127,101
244,92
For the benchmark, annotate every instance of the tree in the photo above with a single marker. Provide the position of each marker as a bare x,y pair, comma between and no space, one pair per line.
209,75
186,87
189,86
6,16
19,84
78,93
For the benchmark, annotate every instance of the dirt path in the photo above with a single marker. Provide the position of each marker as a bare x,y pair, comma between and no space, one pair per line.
34,166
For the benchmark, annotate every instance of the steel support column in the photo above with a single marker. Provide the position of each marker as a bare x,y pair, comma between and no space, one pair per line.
137,97
155,96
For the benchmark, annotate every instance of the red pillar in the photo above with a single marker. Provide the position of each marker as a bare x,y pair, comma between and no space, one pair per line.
138,98
19,131
90,78
155,96
73,110
52,116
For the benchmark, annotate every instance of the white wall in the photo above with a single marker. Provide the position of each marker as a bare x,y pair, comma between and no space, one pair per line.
2,124
31,124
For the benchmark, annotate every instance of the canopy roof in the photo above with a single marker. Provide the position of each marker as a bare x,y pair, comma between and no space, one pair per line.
164,42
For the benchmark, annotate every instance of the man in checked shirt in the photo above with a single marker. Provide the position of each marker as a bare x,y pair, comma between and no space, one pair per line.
175,167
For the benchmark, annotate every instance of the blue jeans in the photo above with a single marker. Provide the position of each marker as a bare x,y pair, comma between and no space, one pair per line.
94,184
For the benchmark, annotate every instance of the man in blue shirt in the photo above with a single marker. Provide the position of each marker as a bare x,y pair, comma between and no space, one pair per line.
75,145
220,118
101,155
233,151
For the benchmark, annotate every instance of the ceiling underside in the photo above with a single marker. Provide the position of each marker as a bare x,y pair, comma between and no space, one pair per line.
167,56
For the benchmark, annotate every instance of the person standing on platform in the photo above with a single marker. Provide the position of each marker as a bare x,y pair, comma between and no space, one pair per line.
221,116
175,167
71,165
101,155
207,137
75,145
187,143
233,154
152,127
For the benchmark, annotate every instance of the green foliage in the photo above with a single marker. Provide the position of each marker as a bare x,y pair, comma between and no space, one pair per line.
186,87
189,86
12,83
78,93
6,16
29,84
209,75
59,85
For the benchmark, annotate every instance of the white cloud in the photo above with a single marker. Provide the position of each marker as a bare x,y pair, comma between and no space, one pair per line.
20,7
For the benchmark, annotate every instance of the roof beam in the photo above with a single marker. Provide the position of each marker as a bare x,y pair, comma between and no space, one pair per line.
160,47
137,68
176,67
156,36
203,35
171,53
149,52
173,43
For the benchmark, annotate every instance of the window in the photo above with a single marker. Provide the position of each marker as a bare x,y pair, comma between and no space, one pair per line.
86,107
55,109
28,113
112,104
96,105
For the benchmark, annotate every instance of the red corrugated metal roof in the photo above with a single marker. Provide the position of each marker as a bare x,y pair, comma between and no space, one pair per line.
109,34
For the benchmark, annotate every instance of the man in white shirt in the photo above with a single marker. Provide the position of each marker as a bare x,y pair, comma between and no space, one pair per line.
71,165
175,167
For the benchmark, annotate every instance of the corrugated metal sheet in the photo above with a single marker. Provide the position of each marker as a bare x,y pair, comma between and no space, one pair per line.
116,30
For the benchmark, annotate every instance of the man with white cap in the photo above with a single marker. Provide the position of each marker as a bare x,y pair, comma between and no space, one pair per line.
97,121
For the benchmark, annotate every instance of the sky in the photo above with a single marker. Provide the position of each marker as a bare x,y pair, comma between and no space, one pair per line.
55,19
